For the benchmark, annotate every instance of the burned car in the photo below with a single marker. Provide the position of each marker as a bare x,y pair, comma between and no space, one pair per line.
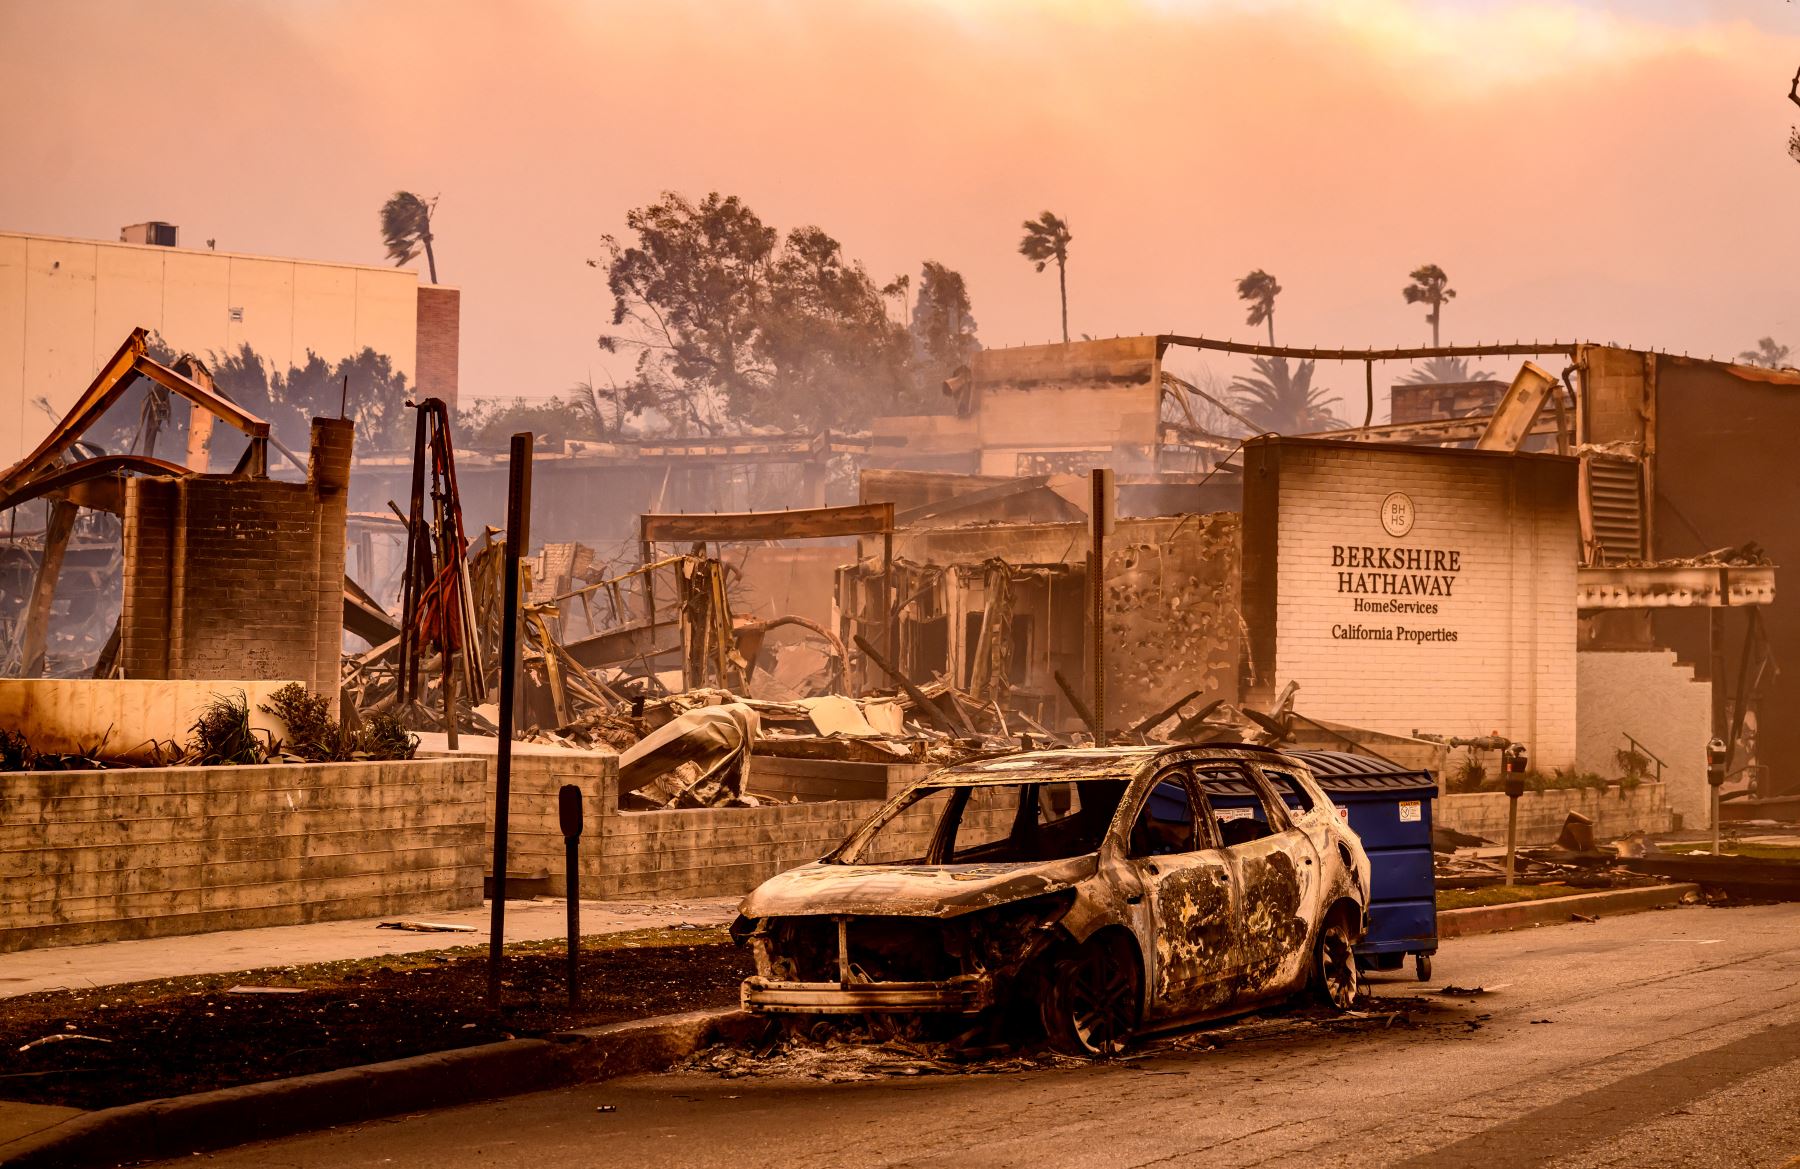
1095,893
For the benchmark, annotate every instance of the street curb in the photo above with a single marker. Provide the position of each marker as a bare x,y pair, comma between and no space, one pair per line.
178,1125
1488,919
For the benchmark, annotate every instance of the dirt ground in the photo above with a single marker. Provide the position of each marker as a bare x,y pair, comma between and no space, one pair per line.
120,1044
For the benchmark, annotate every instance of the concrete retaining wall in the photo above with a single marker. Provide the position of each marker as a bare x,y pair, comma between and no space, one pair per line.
1541,814
91,856
827,779
701,852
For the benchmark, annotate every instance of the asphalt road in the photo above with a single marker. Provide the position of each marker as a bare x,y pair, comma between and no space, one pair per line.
1661,1038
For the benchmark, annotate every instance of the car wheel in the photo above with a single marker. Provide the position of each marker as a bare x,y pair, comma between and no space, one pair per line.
1422,966
1090,1005
1336,980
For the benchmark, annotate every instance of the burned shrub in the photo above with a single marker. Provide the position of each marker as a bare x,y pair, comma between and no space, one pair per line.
386,737
223,735
15,751
316,737
312,734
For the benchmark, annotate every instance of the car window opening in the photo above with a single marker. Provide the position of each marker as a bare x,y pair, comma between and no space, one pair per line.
1239,805
1298,800
1166,825
1003,823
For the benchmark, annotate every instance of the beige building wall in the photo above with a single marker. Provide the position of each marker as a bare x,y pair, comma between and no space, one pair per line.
1479,639
67,304
1654,698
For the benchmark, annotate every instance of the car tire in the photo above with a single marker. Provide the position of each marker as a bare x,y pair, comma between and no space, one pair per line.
1336,981
1091,1000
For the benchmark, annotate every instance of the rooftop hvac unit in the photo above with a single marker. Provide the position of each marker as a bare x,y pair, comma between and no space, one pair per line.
154,232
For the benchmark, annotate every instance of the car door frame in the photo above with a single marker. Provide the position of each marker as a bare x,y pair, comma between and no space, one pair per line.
1278,915
1190,971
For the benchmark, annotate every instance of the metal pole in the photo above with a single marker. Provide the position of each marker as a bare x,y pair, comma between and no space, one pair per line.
518,520
1100,518
568,803
1512,833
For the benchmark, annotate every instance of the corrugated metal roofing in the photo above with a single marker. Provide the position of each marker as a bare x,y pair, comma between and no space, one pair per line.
1341,771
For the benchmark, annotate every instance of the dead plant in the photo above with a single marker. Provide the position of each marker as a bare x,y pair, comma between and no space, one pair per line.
222,734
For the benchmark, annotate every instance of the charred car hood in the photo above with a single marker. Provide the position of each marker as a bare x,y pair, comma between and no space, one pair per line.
910,890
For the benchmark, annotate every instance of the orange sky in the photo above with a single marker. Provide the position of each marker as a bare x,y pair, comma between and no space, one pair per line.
1580,169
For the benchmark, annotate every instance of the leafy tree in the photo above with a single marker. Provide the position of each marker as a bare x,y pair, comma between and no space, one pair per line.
1766,353
1430,287
406,228
1260,290
897,288
374,398
834,356
733,323
1047,238
943,325
1444,370
693,290
1283,399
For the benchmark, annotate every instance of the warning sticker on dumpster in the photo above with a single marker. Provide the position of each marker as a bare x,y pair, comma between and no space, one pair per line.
1411,812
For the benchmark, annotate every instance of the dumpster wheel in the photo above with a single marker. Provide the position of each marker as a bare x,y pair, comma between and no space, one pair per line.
1422,966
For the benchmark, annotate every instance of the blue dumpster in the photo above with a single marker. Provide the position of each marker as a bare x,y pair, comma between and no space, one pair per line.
1389,807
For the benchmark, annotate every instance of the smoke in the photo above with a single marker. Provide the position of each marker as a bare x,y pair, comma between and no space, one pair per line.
1579,169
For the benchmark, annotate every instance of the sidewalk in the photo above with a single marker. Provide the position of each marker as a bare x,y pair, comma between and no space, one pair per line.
225,951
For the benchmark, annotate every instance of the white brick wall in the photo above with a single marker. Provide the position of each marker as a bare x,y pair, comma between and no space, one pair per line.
1511,667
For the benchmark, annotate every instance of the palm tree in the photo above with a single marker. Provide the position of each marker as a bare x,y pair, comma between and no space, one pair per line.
1283,400
406,227
1766,353
1047,238
1260,289
1435,371
1430,287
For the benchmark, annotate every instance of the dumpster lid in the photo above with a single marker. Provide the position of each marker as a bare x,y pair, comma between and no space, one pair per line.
1341,772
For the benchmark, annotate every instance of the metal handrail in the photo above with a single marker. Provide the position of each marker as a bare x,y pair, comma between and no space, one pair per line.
1647,753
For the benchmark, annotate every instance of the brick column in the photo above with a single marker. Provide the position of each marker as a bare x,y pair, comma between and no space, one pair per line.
328,472
146,615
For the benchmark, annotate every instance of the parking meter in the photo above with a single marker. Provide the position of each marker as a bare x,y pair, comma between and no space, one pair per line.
1717,756
1515,770
1514,763
569,812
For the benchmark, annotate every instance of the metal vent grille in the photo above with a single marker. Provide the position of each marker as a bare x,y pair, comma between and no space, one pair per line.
1616,501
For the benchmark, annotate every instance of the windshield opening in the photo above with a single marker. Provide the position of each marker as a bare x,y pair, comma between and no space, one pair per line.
1002,823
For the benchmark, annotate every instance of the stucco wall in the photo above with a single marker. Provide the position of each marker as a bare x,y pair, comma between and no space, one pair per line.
91,856
67,304
130,715
1656,700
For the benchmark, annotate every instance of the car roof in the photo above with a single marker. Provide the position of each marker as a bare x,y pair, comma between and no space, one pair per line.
1120,763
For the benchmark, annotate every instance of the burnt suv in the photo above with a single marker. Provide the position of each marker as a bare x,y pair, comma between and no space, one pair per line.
1102,892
